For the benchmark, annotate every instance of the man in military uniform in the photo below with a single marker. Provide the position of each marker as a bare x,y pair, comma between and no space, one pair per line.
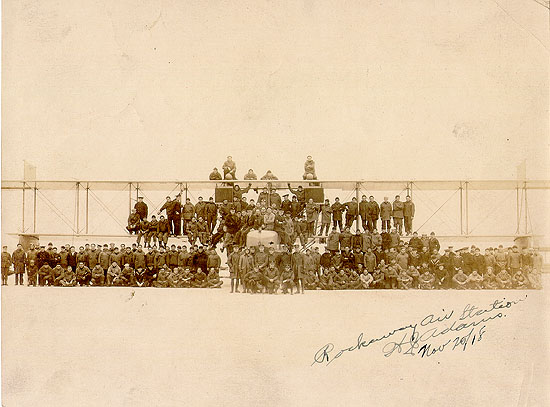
6,264
215,175
163,231
514,260
83,274
287,280
199,279
364,212
385,214
397,213
269,176
299,192
309,168
295,207
32,273
326,214
143,231
351,212
113,272
141,208
57,275
426,280
200,208
213,279
97,276
211,214
460,280
133,222
250,175
68,278
19,259
408,214
188,214
169,208
152,233
337,208
373,212
229,168
503,279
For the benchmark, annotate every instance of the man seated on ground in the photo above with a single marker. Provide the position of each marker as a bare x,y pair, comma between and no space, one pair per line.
311,282
57,275
112,272
391,274
340,280
83,274
127,275
69,278
174,278
489,280
366,279
519,280
139,279
287,279
404,280
185,277
162,278
97,276
325,281
45,275
271,278
426,280
354,281
254,280
378,277
149,276
475,280
414,274
199,279
504,280
213,279
460,280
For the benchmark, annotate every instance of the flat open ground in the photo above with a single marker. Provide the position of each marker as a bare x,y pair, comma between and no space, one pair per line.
163,347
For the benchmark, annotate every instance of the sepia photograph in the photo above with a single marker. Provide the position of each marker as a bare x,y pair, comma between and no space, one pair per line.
258,203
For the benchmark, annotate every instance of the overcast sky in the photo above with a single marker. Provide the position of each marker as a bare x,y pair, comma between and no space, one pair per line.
166,89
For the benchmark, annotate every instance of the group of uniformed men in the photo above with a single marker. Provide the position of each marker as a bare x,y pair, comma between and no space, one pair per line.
291,219
113,266
359,261
229,168
363,261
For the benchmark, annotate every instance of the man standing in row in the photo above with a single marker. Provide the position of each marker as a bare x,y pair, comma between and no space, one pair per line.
397,214
385,214
408,214
6,264
373,212
351,212
19,259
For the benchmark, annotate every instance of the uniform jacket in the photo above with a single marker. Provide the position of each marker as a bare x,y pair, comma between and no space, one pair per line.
398,207
385,210
408,209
